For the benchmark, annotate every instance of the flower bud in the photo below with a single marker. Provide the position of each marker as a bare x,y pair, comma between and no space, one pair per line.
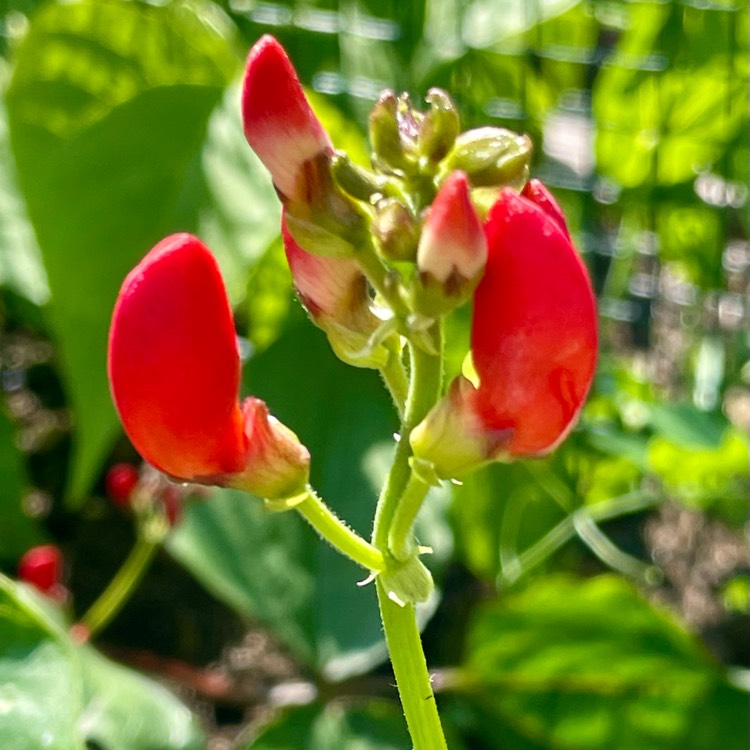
533,344
354,180
42,567
335,294
396,231
279,123
439,128
385,137
174,372
452,249
119,482
490,157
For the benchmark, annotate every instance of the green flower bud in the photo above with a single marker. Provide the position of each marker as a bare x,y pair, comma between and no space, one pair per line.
440,126
491,157
385,139
396,230
354,180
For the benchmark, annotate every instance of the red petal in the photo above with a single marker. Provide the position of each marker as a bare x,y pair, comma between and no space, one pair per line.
452,239
536,192
534,328
173,364
280,125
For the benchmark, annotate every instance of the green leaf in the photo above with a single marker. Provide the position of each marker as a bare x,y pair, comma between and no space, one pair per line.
127,711
376,725
274,566
241,213
18,531
687,426
107,107
582,665
711,478
59,695
21,266
40,693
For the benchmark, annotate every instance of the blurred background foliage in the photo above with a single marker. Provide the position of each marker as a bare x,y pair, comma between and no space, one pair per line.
597,598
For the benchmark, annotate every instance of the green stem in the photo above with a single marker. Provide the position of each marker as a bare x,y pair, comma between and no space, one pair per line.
394,377
338,534
400,535
121,587
424,388
399,623
412,677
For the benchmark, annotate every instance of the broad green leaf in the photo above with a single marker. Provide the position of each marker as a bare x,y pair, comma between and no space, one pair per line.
241,214
687,426
274,566
18,531
707,477
582,665
269,297
376,725
57,694
40,682
107,107
665,108
127,711
21,266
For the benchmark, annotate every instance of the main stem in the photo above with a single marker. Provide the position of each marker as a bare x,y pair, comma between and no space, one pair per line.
399,623
120,588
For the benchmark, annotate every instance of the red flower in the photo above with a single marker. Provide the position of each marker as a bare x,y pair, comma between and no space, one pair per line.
42,568
280,125
533,343
452,241
335,293
533,334
174,371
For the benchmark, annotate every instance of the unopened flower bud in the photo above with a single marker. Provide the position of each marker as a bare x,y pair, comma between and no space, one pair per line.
174,371
385,136
533,345
396,230
354,180
279,123
490,157
335,294
42,567
452,250
120,481
439,128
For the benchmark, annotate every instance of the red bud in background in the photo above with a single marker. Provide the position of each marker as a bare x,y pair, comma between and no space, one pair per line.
279,123
174,372
119,482
42,567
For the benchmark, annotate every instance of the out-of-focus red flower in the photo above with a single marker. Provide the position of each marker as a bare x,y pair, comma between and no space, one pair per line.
119,482
533,343
279,123
42,567
174,371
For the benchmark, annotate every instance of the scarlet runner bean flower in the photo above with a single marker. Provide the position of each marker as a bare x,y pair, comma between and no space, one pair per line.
533,343
452,250
280,125
174,372
291,142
